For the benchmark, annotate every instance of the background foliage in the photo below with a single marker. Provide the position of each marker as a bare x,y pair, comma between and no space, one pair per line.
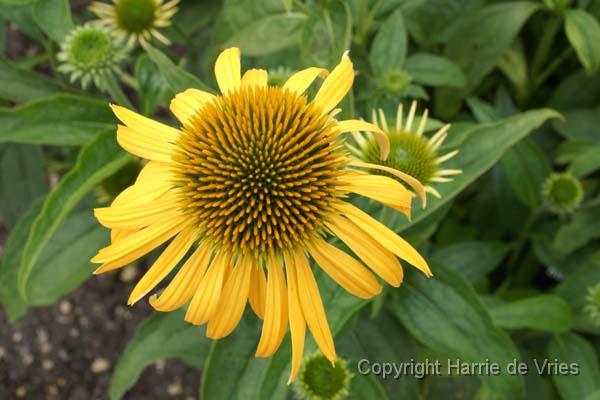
520,82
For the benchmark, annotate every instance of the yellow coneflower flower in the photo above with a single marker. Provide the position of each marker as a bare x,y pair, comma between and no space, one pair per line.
137,20
410,151
256,177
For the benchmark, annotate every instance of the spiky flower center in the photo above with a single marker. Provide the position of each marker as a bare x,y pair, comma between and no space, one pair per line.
318,379
91,48
258,169
409,153
562,192
136,16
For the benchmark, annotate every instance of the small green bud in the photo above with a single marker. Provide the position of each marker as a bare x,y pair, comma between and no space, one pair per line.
562,193
395,81
319,380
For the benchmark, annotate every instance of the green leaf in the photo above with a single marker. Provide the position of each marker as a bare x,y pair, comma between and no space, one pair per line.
79,120
471,259
379,340
583,376
176,77
446,315
20,85
256,38
388,50
574,288
160,336
65,261
97,161
526,168
433,70
580,124
484,146
582,228
583,32
54,17
587,161
547,313
11,261
578,90
22,179
152,87
478,43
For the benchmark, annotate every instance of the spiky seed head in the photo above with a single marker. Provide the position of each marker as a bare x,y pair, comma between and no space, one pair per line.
136,16
395,81
562,193
319,380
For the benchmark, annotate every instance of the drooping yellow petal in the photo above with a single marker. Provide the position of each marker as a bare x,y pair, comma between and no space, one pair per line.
181,289
412,182
233,301
276,310
227,70
385,236
255,77
120,234
189,103
144,145
154,180
258,290
301,80
381,137
143,136
133,217
297,321
336,85
142,242
381,188
312,306
345,270
206,298
164,264
378,258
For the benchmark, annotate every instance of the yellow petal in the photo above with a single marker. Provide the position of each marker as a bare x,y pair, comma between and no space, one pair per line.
276,312
140,243
312,306
381,137
181,289
154,180
297,321
412,182
378,258
385,236
164,264
255,77
143,136
120,234
345,270
381,188
258,290
301,80
135,217
227,70
233,301
187,104
336,85
206,298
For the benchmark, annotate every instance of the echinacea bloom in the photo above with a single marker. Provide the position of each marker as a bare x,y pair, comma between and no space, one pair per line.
91,54
137,20
251,183
562,193
410,151
319,379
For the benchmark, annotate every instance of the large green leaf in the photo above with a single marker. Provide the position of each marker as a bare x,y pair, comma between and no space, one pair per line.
65,261
20,85
543,313
471,259
580,124
582,228
581,376
160,336
256,38
484,146
433,70
176,77
97,160
54,17
388,50
22,179
445,314
11,261
583,31
62,119
574,288
266,378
